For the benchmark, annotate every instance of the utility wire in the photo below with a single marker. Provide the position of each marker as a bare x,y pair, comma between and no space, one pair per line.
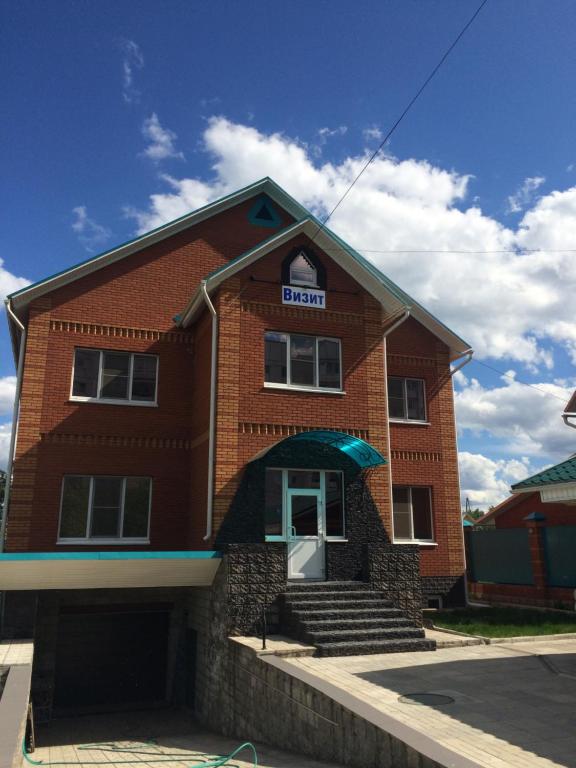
518,251
409,106
515,378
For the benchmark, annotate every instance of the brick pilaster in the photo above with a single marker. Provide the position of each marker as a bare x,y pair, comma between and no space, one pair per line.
31,401
536,524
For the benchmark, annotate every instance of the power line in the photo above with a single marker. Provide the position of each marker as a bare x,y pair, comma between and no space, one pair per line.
517,251
409,106
515,378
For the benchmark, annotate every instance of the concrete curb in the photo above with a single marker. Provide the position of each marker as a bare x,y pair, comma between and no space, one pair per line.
504,640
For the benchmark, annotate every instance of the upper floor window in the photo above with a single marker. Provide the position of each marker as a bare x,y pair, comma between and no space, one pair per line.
412,510
304,362
406,399
302,271
114,377
105,509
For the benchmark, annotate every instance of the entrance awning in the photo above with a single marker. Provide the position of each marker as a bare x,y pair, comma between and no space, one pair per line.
361,452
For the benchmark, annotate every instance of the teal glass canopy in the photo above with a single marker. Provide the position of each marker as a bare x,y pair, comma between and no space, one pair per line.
361,452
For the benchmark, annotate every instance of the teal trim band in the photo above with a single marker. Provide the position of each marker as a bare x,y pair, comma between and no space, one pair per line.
28,556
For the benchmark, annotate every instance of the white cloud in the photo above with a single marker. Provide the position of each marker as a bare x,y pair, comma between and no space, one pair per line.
5,431
372,134
501,302
524,195
7,392
326,133
91,235
161,140
9,282
527,421
486,482
133,60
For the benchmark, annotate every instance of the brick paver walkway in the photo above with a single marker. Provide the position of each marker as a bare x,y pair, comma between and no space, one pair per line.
513,706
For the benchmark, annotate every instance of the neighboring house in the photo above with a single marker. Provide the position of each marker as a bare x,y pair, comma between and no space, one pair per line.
527,556
231,402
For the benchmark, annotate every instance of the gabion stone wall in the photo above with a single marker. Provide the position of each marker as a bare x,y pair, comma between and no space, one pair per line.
450,588
395,570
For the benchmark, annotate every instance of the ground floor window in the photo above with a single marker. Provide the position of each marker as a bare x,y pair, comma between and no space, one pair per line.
104,509
301,502
412,507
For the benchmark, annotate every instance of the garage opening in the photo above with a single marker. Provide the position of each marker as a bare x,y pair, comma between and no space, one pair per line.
112,658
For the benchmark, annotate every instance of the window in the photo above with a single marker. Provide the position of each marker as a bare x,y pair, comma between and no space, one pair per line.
406,401
111,376
305,362
105,509
302,271
285,510
412,513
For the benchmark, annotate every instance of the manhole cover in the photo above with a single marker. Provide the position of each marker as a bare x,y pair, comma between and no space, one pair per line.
426,699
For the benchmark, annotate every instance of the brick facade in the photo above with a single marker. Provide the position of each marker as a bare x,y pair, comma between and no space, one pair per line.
131,304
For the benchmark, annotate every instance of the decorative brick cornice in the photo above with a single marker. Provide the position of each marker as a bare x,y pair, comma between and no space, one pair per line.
416,455
280,310
118,331
412,359
285,430
114,441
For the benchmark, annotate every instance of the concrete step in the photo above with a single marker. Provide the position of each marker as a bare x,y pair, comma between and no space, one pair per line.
345,635
360,596
320,625
340,605
337,613
326,586
361,648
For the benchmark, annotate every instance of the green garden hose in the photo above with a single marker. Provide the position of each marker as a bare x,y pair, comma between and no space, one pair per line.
155,757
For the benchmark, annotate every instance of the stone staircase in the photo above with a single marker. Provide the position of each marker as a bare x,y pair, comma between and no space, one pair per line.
348,618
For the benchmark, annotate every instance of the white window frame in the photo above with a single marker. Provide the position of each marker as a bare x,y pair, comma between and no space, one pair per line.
111,540
407,419
115,401
304,387
303,283
412,540
322,523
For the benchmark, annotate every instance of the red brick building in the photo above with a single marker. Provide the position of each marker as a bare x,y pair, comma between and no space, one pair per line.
238,377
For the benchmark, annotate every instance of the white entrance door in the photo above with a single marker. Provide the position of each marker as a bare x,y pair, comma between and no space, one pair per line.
305,534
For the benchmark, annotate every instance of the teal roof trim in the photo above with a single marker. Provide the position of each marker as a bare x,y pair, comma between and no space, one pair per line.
565,472
183,555
361,452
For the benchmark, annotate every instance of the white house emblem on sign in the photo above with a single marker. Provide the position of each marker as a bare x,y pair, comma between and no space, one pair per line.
304,297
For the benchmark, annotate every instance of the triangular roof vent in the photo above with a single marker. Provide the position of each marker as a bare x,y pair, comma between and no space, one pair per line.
263,213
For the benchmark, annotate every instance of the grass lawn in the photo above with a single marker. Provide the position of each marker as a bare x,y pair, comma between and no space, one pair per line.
504,622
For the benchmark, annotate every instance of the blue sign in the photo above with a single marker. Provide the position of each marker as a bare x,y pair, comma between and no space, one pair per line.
304,297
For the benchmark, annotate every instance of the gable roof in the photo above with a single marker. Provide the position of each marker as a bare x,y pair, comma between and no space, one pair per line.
381,287
565,472
504,506
392,298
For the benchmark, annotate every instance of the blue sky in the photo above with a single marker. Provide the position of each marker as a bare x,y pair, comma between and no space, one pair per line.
121,115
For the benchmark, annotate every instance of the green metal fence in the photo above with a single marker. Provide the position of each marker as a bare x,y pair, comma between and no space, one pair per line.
560,555
499,555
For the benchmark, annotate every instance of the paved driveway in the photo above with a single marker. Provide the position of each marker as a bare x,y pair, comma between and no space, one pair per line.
163,734
510,706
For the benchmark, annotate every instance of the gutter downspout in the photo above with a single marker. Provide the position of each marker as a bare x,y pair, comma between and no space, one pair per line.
15,415
468,354
394,325
567,417
211,429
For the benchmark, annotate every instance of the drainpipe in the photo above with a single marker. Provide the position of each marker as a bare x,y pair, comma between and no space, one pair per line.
468,357
468,354
15,414
398,322
211,430
567,417
405,316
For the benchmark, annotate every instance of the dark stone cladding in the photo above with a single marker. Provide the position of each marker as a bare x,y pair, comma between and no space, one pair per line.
451,589
256,576
394,569
244,522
